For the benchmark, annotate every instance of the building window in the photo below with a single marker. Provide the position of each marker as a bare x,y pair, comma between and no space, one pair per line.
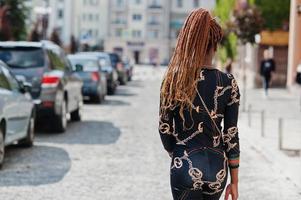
196,3
118,32
179,3
90,17
136,34
137,2
137,17
96,17
60,13
119,3
153,34
84,17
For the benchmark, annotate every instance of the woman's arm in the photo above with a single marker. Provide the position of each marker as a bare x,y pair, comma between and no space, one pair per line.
231,139
166,129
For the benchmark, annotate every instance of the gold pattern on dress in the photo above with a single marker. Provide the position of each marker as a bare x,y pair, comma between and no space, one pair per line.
202,77
234,93
197,109
178,162
227,137
164,128
216,140
200,127
197,175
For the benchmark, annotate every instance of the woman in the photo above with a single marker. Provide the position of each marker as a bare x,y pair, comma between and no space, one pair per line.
195,98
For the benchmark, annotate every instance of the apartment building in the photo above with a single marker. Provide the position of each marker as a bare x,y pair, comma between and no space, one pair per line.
90,21
146,30
85,19
139,29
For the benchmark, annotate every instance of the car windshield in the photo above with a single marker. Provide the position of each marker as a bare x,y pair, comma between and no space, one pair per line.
22,57
89,65
114,58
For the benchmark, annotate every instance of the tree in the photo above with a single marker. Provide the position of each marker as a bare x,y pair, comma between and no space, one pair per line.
247,22
224,11
73,44
13,14
275,13
34,35
55,37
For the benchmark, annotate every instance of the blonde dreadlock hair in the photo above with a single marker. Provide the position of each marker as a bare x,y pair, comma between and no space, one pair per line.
197,37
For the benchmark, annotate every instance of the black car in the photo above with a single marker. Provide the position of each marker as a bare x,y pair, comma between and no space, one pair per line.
95,81
56,89
119,66
107,67
129,68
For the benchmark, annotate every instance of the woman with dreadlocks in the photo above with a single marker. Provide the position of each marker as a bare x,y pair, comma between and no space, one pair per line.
195,99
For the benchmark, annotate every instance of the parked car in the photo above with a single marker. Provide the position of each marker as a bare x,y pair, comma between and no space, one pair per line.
119,66
129,68
55,87
17,113
106,66
95,80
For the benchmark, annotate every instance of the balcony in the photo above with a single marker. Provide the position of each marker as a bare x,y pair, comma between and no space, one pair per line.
119,23
176,24
154,23
155,6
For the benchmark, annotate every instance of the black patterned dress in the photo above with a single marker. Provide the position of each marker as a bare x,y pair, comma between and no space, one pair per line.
201,150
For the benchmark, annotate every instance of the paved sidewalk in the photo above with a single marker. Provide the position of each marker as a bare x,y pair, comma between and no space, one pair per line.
284,104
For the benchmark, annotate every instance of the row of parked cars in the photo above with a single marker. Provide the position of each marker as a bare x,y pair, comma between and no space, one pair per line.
38,81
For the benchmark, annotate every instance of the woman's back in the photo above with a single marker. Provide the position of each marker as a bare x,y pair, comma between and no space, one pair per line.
200,151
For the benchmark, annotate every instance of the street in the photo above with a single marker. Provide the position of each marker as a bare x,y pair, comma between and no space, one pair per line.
116,153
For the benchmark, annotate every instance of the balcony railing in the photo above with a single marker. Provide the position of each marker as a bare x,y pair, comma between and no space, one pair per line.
153,23
155,6
119,22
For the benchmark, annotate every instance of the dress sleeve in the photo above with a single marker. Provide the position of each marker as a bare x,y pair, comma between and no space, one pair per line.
230,135
166,129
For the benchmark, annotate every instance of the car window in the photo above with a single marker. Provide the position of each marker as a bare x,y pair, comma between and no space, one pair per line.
55,61
3,81
22,57
89,65
11,82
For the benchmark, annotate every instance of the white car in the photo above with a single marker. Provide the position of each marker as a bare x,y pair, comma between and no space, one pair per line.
17,116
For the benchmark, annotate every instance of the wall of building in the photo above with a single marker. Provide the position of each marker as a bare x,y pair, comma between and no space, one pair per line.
158,27
294,57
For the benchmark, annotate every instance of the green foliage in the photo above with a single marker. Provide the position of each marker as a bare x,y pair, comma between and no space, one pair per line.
247,23
228,48
223,11
16,15
274,12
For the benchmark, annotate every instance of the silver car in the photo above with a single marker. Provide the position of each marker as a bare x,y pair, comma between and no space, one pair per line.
17,114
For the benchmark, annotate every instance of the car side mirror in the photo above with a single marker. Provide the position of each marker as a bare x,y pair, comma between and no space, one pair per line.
25,87
79,68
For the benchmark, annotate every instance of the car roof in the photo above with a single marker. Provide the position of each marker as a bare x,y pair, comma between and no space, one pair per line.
94,53
82,56
41,44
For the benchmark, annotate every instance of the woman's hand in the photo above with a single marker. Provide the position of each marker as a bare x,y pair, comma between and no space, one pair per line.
232,189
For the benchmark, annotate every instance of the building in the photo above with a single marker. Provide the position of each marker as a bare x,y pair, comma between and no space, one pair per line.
90,21
85,19
146,30
294,55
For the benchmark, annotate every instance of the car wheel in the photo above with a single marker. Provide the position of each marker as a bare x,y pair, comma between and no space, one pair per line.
98,98
2,147
77,114
29,139
111,90
61,120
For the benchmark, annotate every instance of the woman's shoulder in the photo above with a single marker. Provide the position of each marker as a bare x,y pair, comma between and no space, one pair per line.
227,78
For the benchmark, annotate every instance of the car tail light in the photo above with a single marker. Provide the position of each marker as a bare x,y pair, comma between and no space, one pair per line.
50,81
95,76
119,66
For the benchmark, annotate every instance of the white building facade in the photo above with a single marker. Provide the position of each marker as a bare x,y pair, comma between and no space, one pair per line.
85,19
146,30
